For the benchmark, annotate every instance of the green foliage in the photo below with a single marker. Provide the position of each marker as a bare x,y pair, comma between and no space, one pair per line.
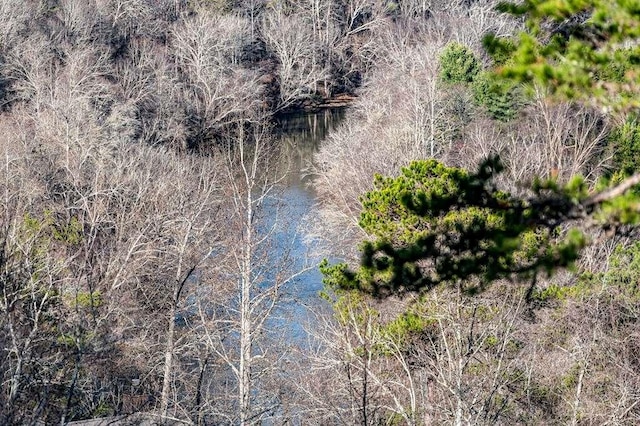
570,379
624,271
336,278
103,409
39,266
347,302
66,340
617,70
625,142
69,233
406,325
80,341
435,224
386,213
621,210
49,230
552,292
458,64
622,278
36,233
503,52
578,49
501,98
88,299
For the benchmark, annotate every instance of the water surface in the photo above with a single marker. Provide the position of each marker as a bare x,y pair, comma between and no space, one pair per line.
300,136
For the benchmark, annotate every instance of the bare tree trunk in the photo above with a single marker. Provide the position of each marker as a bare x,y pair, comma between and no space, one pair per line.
63,420
246,338
170,348
168,362
244,388
576,403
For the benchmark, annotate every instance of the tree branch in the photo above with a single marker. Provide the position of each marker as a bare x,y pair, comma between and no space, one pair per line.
613,192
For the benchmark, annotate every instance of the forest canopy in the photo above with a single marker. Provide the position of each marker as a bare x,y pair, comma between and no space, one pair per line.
150,266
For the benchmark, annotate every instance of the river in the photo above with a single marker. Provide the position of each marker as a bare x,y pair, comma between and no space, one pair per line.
300,136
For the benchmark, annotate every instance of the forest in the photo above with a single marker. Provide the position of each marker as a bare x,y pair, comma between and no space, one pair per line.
476,207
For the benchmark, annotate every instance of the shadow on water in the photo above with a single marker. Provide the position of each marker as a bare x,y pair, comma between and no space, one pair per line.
299,137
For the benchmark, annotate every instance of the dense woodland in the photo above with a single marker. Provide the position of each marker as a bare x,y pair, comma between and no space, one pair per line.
139,188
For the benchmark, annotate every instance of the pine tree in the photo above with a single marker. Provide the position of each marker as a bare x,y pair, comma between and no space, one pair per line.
437,225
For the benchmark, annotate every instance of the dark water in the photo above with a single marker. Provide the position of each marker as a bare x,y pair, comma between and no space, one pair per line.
300,137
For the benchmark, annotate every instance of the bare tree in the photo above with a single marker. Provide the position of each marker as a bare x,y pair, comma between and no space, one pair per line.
15,17
31,277
217,91
301,69
399,117
556,144
444,358
144,219
236,325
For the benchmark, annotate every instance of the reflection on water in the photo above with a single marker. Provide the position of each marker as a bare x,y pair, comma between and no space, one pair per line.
299,138
300,135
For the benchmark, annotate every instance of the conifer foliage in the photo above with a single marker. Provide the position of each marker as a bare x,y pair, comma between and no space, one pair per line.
435,225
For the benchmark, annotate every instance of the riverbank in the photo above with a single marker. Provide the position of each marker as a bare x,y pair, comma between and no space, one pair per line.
342,100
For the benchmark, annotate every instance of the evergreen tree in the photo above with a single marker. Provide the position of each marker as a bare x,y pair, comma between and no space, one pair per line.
458,64
585,50
435,225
